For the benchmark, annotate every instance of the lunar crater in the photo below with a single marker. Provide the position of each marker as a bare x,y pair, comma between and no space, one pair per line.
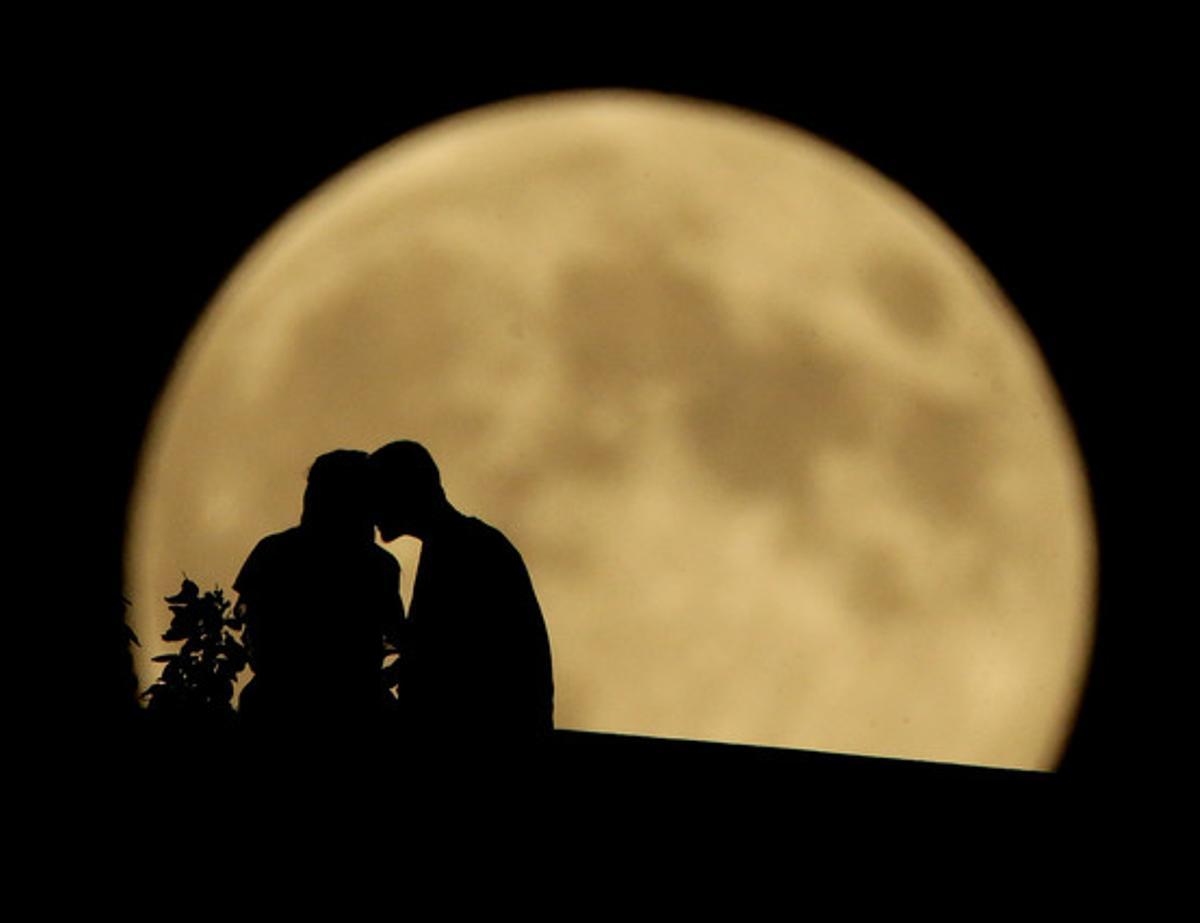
907,296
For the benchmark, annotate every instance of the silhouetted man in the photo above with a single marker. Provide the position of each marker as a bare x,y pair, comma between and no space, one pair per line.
476,658
320,602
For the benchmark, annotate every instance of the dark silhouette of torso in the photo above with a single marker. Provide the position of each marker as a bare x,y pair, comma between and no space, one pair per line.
476,653
317,609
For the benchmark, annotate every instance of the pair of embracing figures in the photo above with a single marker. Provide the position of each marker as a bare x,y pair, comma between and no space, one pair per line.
322,609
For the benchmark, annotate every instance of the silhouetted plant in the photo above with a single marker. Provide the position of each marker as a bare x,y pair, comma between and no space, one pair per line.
198,680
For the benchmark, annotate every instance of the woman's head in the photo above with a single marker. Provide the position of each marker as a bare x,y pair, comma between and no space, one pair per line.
337,497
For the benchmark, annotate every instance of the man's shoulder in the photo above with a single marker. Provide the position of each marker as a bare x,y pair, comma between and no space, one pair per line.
483,534
488,546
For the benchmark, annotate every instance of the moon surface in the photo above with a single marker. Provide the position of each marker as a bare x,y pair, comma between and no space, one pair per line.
784,464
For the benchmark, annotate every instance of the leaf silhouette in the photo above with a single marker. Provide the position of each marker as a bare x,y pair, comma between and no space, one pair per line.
187,593
198,679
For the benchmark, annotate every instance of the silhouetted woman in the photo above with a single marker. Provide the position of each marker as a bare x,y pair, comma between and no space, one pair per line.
321,603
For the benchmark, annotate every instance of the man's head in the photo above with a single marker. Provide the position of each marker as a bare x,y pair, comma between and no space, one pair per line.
337,497
407,489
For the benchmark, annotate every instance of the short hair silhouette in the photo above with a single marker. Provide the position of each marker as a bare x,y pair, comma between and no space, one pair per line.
411,462
407,486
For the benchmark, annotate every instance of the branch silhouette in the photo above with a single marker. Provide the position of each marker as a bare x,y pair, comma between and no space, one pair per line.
198,680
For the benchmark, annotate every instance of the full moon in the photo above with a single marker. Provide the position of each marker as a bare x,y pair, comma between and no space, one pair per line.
783,462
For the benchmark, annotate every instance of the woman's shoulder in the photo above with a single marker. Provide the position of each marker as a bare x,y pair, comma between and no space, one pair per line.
264,556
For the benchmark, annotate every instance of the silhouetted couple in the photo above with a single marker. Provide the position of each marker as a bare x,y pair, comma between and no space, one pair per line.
322,608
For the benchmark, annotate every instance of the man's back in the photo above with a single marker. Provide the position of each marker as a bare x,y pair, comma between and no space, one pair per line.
477,650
